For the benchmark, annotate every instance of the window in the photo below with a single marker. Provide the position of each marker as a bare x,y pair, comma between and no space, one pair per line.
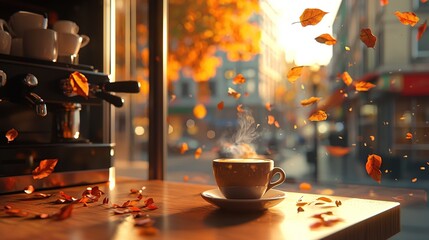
263,40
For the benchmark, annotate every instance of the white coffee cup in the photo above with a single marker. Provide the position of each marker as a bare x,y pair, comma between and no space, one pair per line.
16,48
41,44
70,43
5,38
66,26
22,21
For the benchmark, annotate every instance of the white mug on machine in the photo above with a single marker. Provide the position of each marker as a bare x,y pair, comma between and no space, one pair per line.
5,38
66,26
41,44
22,21
69,43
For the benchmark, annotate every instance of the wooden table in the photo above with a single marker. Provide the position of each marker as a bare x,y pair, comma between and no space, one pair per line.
183,214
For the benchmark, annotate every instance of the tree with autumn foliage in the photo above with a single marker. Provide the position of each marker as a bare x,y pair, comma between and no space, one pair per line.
200,28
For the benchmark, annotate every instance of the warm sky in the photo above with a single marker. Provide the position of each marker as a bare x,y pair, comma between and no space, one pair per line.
299,41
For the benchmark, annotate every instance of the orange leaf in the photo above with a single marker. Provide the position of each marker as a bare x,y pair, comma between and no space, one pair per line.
233,93
422,29
200,111
407,18
79,83
11,134
277,124
423,1
45,168
294,73
373,165
311,16
239,79
325,199
184,148
337,151
363,86
414,180
268,106
326,39
367,37
384,2
29,189
271,119
65,212
240,108
198,152
347,79
220,105
409,136
320,115
304,186
310,101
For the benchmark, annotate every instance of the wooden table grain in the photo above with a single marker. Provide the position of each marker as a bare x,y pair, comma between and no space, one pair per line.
183,214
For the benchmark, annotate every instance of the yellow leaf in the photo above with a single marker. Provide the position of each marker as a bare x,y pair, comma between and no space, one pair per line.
294,73
363,86
407,18
200,111
310,101
320,115
326,39
311,16
347,79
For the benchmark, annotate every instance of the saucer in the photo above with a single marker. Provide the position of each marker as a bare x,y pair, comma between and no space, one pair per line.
271,198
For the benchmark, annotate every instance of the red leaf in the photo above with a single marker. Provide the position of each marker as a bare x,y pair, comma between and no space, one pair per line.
11,134
152,206
373,165
421,30
367,37
220,105
65,212
45,168
384,2
148,201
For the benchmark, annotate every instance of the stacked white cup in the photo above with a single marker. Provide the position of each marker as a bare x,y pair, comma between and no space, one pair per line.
69,41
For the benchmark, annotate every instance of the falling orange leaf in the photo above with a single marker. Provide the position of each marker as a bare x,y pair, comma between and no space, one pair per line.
183,148
271,119
326,39
347,79
268,106
407,18
220,105
79,84
363,86
172,98
239,79
240,108
409,136
198,152
421,30
384,2
29,189
367,37
372,138
372,167
337,151
45,168
310,101
311,16
11,134
200,111
414,180
304,186
320,115
294,73
423,1
233,93
277,124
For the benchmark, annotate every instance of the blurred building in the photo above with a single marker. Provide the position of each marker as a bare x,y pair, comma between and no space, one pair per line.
378,121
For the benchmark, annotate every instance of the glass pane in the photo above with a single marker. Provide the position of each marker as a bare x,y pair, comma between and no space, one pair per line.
131,121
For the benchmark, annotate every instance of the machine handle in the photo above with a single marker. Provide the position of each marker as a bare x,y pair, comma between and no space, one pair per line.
112,99
122,86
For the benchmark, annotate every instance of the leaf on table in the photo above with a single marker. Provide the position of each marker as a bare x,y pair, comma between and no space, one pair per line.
311,16
407,18
220,105
65,212
11,134
233,93
310,101
29,189
294,73
421,30
45,168
363,86
347,79
300,209
320,115
16,212
372,167
409,136
200,111
79,84
325,199
326,39
105,200
198,152
301,204
338,203
239,79
367,37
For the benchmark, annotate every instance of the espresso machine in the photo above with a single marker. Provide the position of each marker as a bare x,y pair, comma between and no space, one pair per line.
54,123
